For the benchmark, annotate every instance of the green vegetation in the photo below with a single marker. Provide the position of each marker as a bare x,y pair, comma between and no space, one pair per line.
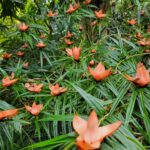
114,41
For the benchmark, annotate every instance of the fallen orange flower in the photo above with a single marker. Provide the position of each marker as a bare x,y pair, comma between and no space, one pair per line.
74,52
8,81
69,35
20,54
23,27
99,14
142,77
35,109
132,22
99,72
86,2
40,45
6,55
8,113
34,87
90,134
68,42
51,14
72,8
56,89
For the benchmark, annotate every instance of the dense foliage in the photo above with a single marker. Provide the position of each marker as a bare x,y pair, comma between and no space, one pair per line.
38,51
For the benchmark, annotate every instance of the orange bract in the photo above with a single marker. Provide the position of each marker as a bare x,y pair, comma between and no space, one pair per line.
99,72
142,77
42,36
6,55
99,14
74,52
142,12
86,2
26,64
132,22
23,27
138,35
93,51
93,23
25,45
40,45
34,87
51,14
144,42
90,134
72,8
91,63
8,81
35,109
20,54
69,35
68,42
8,113
56,89
81,27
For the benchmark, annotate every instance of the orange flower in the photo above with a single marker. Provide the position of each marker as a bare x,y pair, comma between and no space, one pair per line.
8,81
93,23
56,89
35,109
144,42
74,52
141,43
142,77
132,22
23,27
93,51
99,14
86,2
148,30
34,87
8,113
51,14
6,55
138,35
72,8
142,12
81,27
68,42
26,64
148,42
99,72
147,50
69,35
25,45
90,134
91,63
20,54
40,45
42,36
